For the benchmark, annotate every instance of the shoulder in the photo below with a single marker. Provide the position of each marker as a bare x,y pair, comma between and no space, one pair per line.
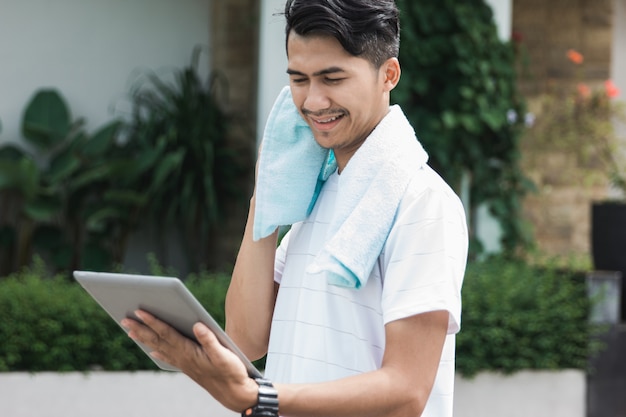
428,196
430,218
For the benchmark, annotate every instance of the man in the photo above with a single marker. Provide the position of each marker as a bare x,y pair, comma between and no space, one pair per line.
384,347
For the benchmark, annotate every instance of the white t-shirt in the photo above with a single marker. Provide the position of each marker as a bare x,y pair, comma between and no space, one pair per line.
322,332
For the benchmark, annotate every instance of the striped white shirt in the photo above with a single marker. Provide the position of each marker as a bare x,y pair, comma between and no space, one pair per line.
322,332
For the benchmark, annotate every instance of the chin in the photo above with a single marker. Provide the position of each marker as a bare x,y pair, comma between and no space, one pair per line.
324,141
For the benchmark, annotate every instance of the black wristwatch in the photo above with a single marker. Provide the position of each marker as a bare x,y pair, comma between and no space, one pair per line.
267,403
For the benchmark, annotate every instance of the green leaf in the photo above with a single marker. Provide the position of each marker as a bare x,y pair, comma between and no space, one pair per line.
62,166
96,222
46,120
467,92
493,120
189,198
448,119
21,176
129,169
93,175
8,179
126,197
29,177
167,165
43,209
11,152
100,142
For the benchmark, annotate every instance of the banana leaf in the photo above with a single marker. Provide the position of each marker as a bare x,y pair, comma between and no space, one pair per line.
46,120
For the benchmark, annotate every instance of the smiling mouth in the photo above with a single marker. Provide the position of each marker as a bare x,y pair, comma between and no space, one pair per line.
332,119
327,119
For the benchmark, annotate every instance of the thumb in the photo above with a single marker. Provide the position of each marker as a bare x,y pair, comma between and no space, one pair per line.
205,336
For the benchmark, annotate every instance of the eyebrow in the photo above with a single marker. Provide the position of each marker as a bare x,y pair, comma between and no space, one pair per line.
331,70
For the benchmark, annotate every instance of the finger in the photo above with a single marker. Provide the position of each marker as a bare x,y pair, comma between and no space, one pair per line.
136,329
141,333
160,337
147,318
164,332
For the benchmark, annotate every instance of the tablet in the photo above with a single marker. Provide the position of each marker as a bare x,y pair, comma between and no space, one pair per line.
166,298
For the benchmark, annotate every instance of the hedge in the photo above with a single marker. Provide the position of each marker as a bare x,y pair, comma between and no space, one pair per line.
518,316
515,317
52,324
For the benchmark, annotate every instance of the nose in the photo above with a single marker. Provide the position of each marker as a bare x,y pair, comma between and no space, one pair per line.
316,98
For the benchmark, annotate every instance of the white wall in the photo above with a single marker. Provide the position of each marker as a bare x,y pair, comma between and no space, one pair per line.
272,59
87,49
503,15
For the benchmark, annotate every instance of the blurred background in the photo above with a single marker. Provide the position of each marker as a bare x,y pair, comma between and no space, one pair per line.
129,132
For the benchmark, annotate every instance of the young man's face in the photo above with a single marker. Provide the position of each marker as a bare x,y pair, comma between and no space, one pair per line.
342,97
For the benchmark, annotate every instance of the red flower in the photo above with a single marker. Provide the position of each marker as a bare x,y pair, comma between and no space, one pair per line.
611,89
575,56
583,90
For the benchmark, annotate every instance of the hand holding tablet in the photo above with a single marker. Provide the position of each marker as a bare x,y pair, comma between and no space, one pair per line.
165,298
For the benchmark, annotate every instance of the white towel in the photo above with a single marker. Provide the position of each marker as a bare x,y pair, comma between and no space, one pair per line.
292,166
370,189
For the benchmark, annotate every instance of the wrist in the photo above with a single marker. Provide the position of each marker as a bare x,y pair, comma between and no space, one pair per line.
267,401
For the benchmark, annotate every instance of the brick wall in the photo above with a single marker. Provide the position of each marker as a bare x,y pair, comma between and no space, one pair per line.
549,28
560,210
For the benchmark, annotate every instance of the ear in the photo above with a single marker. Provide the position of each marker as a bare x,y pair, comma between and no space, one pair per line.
390,71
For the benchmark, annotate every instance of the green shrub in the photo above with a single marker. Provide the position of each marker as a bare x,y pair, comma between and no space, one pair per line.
516,316
52,324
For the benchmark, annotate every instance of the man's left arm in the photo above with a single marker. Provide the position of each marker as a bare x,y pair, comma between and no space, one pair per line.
401,386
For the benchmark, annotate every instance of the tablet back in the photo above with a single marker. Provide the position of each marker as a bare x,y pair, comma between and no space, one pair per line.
167,298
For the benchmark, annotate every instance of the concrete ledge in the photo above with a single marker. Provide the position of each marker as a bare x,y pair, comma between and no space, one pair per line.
156,394
523,394
105,394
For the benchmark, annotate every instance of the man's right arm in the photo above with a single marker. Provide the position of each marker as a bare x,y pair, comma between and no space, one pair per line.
252,292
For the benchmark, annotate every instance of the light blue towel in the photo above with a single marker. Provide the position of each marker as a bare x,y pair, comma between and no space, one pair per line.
370,188
292,167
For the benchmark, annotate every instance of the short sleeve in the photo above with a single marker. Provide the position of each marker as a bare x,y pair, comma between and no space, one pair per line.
425,256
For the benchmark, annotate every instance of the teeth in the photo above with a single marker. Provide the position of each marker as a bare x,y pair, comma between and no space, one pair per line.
332,119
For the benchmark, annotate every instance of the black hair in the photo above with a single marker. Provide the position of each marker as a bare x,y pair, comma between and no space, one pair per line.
366,28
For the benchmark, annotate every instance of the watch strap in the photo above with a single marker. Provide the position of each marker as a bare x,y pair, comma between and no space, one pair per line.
267,402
